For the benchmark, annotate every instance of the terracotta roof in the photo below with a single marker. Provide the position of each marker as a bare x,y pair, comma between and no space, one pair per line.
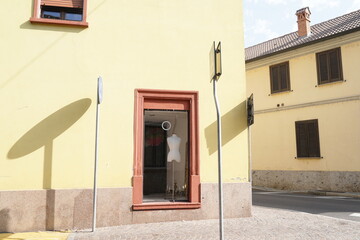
332,28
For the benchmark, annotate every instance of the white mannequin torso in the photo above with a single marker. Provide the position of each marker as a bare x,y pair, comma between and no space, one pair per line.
174,145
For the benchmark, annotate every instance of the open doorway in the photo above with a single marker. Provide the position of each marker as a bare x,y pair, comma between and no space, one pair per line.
166,163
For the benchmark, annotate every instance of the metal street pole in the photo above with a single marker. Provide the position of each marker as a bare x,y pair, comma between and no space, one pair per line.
249,154
215,73
99,100
250,121
221,205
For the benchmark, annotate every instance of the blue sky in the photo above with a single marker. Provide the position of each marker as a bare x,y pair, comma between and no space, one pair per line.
268,19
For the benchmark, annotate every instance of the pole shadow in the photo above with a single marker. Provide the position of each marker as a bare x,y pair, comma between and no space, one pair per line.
43,135
233,123
4,222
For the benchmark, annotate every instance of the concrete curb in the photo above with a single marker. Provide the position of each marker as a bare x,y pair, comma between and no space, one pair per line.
313,192
340,194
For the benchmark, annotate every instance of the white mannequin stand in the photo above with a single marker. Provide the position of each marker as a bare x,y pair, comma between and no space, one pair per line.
174,155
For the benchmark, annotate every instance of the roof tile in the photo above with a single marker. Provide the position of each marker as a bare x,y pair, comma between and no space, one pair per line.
331,28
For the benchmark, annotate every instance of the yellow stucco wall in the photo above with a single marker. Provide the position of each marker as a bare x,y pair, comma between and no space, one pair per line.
273,134
48,88
274,139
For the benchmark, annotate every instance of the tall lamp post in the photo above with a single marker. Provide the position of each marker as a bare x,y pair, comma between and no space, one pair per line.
99,100
215,73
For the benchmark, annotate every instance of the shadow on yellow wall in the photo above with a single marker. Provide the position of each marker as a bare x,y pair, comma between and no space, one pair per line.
43,135
4,218
5,236
233,123
46,131
35,235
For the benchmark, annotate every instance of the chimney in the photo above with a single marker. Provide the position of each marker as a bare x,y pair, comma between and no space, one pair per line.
303,20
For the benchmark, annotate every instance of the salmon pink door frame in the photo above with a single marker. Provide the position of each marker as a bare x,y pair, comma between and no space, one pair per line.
166,100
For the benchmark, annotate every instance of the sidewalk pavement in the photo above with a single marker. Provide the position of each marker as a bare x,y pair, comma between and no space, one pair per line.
266,223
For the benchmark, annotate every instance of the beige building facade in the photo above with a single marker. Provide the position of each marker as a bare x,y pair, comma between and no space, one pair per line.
306,88
153,57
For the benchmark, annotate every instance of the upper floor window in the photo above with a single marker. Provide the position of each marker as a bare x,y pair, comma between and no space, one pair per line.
280,77
65,12
307,138
329,67
71,14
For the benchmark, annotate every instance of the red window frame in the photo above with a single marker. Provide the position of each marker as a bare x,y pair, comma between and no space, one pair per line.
175,100
36,18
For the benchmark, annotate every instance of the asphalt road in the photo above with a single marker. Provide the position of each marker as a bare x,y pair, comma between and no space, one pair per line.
332,206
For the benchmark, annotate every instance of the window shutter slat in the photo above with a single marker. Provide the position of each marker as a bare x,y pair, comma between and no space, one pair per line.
314,149
283,76
63,3
301,140
334,66
323,68
275,78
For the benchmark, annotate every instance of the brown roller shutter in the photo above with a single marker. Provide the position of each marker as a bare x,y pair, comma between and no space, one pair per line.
63,3
307,138
329,66
280,77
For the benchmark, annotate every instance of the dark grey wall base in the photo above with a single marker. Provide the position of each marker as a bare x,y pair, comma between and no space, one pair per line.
308,180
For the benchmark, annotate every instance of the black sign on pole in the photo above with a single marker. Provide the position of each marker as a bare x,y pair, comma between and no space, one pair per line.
100,90
250,110
218,67
215,62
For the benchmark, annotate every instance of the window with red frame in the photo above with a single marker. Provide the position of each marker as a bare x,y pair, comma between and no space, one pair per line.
164,178
66,12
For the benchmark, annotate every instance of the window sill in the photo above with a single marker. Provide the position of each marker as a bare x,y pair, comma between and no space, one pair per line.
285,91
59,22
329,83
166,206
308,158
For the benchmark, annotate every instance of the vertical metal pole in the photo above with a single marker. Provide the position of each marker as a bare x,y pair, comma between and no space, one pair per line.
249,154
173,182
95,168
221,205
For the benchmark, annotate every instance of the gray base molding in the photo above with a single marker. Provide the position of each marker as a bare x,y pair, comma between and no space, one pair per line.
39,210
308,180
